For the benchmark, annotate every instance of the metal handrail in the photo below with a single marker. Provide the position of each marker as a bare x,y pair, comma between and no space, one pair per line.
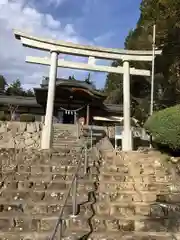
73,186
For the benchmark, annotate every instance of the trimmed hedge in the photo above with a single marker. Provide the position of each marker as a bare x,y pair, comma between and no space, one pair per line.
164,126
4,117
27,118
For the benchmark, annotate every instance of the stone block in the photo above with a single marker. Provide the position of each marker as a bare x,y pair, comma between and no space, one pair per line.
29,142
143,210
47,177
23,127
5,224
36,169
21,224
158,225
35,208
58,186
47,224
115,186
37,195
31,128
122,211
102,208
79,222
53,196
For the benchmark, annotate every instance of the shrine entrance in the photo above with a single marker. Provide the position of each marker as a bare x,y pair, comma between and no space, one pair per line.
92,53
68,117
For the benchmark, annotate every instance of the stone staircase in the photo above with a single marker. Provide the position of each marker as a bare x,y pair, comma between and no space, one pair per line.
126,196
64,134
33,188
137,199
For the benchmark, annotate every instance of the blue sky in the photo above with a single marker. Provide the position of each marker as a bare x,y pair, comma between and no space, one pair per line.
107,20
99,22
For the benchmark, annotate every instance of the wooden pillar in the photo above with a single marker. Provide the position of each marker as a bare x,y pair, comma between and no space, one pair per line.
87,115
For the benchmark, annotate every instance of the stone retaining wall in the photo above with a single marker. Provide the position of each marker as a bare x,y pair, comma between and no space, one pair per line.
20,134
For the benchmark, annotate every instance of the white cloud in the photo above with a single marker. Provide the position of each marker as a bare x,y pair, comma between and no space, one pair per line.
104,38
16,14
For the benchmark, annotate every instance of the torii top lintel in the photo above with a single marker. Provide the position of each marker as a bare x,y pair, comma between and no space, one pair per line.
83,50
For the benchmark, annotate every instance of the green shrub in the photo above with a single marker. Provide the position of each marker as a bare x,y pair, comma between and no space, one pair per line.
164,126
27,118
4,117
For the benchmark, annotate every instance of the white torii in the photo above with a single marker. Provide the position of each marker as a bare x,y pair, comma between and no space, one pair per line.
93,53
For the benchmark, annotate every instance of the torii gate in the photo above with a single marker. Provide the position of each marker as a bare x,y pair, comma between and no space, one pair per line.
57,47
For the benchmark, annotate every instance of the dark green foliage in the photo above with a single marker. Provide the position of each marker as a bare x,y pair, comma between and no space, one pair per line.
165,127
165,13
27,118
16,89
2,83
4,117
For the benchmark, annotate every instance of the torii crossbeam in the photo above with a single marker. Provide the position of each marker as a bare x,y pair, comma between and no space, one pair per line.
92,53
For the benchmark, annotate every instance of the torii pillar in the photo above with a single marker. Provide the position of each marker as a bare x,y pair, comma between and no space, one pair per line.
46,137
127,143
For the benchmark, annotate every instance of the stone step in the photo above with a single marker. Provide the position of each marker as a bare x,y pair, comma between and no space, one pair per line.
61,185
137,172
50,173
37,195
138,186
120,224
41,209
125,209
39,155
43,224
52,168
149,235
46,177
115,186
118,162
65,141
64,126
139,168
116,176
128,196
136,156
67,235
59,146
63,159
60,134
54,165
66,146
143,196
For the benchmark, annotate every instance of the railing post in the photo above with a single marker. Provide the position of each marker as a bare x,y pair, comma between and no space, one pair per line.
60,229
74,197
91,137
77,129
85,160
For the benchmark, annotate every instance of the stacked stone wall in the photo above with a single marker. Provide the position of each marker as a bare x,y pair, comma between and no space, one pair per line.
20,135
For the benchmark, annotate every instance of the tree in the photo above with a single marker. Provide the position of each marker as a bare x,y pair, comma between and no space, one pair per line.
72,78
12,110
165,13
3,83
15,88
29,93
88,81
